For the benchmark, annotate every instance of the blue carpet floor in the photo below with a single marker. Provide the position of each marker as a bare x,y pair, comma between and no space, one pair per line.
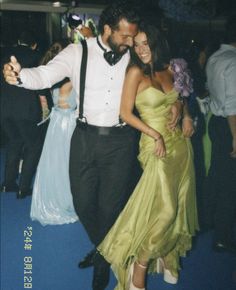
45,258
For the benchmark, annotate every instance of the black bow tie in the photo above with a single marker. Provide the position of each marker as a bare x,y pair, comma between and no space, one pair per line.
110,56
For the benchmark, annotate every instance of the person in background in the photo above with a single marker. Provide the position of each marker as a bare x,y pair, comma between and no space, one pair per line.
158,222
196,58
79,30
20,113
198,104
52,199
221,80
88,29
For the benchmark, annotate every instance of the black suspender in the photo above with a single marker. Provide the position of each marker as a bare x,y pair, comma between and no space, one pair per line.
82,78
82,81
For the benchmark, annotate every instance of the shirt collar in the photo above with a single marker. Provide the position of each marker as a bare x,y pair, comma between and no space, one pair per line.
228,47
102,43
106,47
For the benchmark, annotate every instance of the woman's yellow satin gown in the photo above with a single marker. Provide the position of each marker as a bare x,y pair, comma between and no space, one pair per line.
160,217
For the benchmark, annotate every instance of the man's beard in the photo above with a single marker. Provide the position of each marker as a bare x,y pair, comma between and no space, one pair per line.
115,48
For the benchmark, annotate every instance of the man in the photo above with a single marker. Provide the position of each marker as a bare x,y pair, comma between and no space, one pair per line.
221,78
20,113
102,149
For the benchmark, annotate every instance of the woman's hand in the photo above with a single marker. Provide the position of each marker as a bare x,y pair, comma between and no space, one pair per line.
160,149
187,127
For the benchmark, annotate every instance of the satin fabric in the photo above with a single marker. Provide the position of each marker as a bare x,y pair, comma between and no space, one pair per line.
52,199
160,217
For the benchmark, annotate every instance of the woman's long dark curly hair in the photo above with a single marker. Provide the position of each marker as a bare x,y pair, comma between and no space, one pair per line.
158,45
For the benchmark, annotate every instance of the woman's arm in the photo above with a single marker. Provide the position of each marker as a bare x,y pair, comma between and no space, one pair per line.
44,106
130,89
176,112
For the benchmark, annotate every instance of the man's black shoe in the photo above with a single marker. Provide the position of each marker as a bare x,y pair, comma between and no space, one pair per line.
9,188
23,193
101,273
88,260
224,247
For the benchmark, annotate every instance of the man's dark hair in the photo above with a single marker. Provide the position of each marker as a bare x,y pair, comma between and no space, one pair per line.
116,11
230,29
27,37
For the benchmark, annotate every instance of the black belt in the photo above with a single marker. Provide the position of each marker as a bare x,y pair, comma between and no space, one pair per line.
115,130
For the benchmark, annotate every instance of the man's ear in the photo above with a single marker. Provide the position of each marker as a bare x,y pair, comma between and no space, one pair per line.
107,30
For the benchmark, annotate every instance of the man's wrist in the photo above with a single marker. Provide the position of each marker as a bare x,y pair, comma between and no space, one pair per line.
19,81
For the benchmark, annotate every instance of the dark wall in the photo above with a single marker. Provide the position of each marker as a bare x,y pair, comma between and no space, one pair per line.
14,22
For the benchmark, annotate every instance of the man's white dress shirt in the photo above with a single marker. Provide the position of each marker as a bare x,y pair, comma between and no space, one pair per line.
103,86
221,81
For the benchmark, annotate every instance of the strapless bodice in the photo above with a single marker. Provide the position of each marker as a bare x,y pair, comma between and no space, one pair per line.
154,106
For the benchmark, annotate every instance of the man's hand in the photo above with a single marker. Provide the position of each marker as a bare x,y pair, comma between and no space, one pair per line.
176,112
187,127
233,153
11,71
232,126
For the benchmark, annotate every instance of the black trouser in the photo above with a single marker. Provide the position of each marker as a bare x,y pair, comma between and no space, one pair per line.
222,179
200,170
24,140
100,169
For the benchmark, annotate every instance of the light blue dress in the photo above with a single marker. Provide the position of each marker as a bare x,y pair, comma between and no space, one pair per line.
52,200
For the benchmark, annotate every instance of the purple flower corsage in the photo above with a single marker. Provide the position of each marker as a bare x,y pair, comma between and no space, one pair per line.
183,82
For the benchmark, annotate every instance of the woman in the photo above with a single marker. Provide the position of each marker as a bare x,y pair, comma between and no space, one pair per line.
52,200
156,226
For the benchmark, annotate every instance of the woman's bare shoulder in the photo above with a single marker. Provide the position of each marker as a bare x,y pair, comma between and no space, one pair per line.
135,71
